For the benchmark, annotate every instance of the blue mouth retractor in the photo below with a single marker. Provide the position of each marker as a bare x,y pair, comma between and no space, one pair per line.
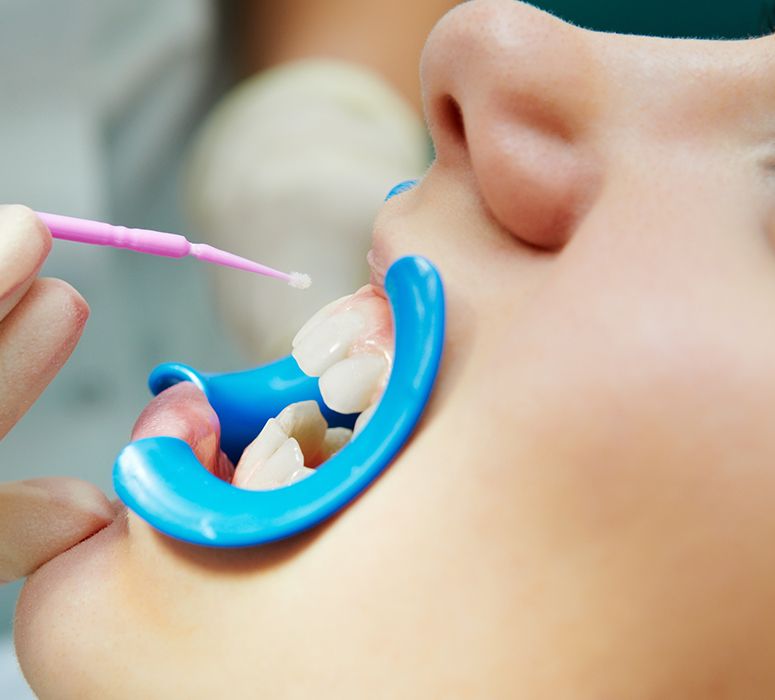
161,480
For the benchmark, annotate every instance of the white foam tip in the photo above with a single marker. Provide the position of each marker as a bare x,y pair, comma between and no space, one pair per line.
299,280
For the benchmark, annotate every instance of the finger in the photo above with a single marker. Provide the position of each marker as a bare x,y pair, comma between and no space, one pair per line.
42,518
36,339
24,245
182,411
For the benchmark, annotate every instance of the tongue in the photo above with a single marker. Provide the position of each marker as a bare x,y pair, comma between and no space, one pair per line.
182,411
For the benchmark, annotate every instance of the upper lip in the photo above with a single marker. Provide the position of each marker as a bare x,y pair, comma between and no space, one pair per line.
377,268
379,256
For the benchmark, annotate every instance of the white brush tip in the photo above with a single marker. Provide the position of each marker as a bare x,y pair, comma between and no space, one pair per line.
298,280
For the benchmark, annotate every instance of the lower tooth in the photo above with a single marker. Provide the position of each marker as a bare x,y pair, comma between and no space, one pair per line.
304,422
276,470
363,419
298,475
335,440
271,437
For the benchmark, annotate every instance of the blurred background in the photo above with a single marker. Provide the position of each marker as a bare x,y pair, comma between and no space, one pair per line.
104,110
97,102
127,111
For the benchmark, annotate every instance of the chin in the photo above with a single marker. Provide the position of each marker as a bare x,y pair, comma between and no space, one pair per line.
63,624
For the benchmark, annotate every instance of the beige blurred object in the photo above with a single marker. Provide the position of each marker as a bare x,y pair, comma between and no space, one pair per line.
290,169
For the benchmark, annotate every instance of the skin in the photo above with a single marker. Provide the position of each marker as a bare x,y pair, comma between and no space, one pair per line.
40,323
586,510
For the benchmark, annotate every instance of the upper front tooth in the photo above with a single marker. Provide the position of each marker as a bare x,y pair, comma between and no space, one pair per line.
317,319
328,342
349,386
304,422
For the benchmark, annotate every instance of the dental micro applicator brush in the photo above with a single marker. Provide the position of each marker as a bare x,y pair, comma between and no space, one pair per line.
171,245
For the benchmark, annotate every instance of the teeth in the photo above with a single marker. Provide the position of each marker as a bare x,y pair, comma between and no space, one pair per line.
317,319
277,454
304,422
349,345
349,386
278,469
328,342
257,452
335,440
302,473
363,419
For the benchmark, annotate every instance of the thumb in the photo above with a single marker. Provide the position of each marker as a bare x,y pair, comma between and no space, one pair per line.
41,518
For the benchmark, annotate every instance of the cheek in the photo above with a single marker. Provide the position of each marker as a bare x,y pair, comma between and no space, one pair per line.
631,393
640,458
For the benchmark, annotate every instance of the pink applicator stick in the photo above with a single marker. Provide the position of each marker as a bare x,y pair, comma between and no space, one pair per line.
171,245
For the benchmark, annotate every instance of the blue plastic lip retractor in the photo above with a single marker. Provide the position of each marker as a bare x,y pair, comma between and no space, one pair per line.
161,480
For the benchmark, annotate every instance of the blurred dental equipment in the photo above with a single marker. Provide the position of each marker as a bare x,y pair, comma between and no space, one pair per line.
171,245
297,161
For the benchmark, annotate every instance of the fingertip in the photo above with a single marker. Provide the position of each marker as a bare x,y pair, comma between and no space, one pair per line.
23,234
78,495
36,339
63,311
68,301
24,244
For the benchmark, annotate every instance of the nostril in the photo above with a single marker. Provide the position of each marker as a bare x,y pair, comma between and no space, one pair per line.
451,118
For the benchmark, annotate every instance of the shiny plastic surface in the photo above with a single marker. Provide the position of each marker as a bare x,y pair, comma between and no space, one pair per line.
163,482
244,401
171,245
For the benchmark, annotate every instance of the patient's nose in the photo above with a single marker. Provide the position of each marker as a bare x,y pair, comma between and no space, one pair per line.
511,93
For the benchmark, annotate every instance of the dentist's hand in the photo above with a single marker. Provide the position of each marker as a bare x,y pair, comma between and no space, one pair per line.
41,321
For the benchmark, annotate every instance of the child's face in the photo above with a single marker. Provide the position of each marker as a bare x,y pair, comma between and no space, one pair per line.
588,509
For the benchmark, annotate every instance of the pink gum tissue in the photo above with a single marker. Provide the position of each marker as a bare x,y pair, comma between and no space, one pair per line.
378,336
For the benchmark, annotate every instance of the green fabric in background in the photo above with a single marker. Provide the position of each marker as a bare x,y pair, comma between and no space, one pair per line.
708,19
